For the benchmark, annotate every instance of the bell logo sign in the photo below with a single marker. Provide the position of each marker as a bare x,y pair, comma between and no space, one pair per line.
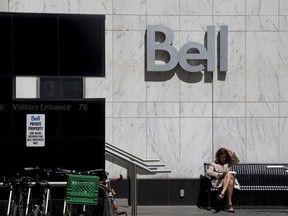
185,53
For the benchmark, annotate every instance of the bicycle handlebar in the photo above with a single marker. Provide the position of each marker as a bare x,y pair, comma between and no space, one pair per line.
67,171
111,180
117,179
20,179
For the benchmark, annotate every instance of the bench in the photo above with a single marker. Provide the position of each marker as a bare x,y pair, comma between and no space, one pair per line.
260,186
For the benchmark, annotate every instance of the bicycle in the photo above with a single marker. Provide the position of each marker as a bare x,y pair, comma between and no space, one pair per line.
19,195
110,205
43,205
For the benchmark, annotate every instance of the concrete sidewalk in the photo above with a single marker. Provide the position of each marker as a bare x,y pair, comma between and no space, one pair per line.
194,210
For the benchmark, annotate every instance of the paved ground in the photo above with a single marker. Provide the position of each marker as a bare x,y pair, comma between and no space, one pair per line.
194,210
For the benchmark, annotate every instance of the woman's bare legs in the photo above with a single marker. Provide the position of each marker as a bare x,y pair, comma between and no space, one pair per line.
228,186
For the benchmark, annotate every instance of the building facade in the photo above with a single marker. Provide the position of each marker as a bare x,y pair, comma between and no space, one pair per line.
179,117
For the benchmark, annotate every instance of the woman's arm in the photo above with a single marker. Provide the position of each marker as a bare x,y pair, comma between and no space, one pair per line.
211,171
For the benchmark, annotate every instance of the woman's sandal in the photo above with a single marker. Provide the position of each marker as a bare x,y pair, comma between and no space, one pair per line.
220,197
227,209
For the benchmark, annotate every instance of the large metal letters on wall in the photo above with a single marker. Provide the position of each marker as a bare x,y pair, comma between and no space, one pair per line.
185,54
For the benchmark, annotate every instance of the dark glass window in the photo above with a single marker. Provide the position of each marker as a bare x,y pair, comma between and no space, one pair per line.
35,44
61,88
81,45
5,44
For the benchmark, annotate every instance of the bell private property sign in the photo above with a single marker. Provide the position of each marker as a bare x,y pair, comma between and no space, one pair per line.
35,130
185,53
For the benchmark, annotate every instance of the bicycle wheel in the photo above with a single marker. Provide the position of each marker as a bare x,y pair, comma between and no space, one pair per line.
48,206
21,208
72,210
110,211
36,210
13,210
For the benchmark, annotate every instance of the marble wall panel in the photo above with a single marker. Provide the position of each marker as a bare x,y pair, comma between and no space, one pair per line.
229,7
163,110
283,138
262,109
262,66
129,110
67,6
162,7
170,21
26,87
235,23
283,7
98,88
33,6
128,66
137,7
283,109
228,109
283,66
195,146
108,109
195,109
163,143
166,91
129,134
129,22
195,23
230,85
262,140
4,5
196,7
109,129
283,23
262,7
231,133
262,23
95,7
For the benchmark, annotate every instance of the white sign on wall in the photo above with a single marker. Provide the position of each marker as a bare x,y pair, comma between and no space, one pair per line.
35,130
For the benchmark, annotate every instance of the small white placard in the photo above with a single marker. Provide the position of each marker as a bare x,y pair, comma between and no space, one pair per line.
35,130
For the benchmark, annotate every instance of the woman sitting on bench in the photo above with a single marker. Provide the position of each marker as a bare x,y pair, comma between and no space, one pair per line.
223,176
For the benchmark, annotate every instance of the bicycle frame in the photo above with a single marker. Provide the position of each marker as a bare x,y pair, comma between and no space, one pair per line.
19,195
43,200
111,205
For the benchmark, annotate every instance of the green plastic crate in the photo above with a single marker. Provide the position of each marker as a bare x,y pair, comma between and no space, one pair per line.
82,189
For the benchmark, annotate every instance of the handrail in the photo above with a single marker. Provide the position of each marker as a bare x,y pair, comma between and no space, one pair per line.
134,165
129,155
143,169
149,166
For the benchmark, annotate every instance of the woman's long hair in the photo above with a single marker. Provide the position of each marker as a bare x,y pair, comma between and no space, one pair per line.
222,151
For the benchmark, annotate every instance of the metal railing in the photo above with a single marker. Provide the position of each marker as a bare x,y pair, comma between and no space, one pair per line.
278,167
134,166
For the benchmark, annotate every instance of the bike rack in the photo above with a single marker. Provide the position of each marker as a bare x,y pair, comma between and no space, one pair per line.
132,163
134,166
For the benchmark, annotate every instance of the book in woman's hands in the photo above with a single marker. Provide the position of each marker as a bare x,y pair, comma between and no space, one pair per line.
224,173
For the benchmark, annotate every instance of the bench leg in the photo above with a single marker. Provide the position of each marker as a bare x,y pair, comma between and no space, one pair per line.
209,200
